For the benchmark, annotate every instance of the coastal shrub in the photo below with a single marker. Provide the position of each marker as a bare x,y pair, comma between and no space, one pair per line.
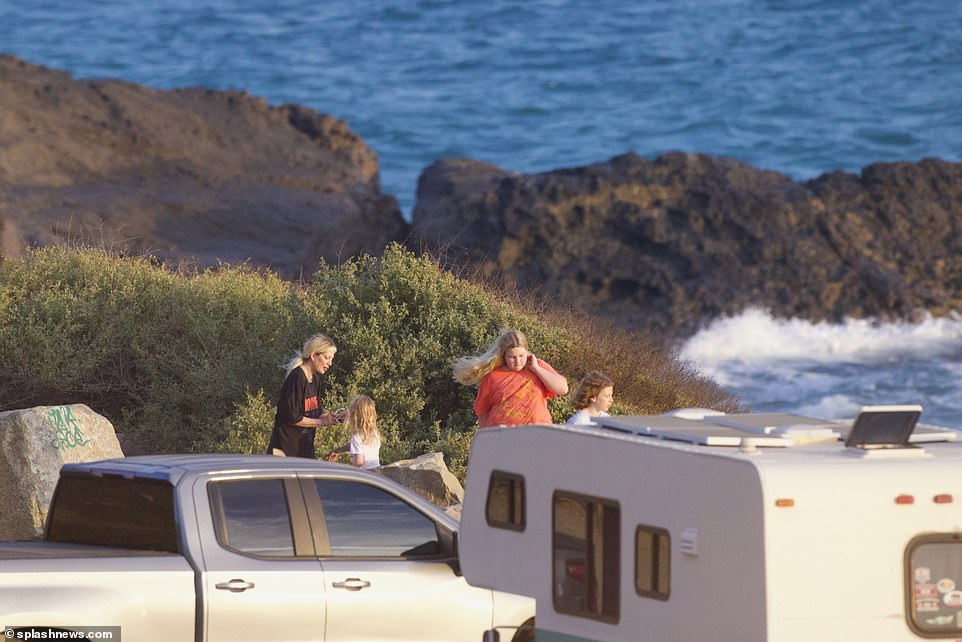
67,324
192,361
245,429
162,355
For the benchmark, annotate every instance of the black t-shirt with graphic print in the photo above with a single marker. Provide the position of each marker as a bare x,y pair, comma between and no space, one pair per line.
298,399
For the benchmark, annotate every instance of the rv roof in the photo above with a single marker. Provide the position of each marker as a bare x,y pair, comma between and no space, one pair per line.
751,430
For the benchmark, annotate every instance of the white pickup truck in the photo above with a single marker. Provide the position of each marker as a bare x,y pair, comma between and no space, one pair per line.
234,548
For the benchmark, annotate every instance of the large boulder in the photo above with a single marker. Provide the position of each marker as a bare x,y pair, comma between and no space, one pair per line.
429,477
187,175
667,244
34,444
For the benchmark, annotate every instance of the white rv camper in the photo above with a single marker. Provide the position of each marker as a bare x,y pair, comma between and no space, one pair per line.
702,526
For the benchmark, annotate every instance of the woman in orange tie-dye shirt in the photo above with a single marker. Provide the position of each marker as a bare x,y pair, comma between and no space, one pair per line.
515,384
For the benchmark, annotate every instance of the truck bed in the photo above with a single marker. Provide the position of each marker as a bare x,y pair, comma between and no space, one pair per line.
38,549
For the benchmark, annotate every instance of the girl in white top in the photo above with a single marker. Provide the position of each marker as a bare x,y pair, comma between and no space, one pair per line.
365,446
592,398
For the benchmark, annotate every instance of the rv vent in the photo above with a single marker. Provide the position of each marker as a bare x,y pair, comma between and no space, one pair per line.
689,542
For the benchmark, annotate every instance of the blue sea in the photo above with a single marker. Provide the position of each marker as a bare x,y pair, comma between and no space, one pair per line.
802,87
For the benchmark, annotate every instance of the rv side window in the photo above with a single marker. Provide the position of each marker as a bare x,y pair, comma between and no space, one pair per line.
652,562
585,558
933,586
505,504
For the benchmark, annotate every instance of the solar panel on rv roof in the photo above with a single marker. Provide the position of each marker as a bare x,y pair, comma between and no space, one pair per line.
645,423
776,422
706,433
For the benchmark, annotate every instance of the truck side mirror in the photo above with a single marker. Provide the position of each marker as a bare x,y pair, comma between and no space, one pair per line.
448,539
455,559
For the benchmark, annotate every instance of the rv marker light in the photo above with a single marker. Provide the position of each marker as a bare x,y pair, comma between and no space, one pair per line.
942,499
785,502
905,499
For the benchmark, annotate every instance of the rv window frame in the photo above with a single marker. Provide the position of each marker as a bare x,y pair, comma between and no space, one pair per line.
519,526
611,562
656,532
910,615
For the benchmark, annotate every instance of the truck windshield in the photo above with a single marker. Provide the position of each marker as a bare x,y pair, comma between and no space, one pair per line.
123,513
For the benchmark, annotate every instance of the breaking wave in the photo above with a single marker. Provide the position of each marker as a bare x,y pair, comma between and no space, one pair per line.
829,370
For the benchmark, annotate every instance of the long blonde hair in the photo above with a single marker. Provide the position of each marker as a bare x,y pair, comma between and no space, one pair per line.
362,420
317,343
470,370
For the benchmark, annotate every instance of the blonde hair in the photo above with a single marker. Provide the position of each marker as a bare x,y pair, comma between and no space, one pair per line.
362,420
588,388
317,343
470,370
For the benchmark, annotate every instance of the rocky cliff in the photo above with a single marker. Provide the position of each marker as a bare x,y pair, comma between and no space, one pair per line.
190,174
664,244
670,243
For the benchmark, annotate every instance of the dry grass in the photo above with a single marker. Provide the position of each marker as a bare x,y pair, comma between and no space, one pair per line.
648,378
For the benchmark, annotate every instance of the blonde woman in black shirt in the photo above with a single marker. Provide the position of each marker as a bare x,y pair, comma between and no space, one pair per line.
299,411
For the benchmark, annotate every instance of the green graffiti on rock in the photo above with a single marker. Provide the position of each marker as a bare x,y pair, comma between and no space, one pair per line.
67,432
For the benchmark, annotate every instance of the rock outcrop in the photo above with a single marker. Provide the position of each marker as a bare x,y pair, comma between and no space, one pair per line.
188,174
34,444
430,478
671,243
666,245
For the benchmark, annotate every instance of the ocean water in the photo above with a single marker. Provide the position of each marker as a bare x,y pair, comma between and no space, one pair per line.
831,370
798,86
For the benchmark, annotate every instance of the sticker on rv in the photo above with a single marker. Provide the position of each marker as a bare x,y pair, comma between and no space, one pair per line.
928,605
945,585
923,574
925,590
940,620
952,598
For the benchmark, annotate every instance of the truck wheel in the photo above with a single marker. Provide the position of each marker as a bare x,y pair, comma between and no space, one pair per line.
525,632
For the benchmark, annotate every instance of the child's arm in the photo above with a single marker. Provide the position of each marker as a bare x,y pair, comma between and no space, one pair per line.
332,456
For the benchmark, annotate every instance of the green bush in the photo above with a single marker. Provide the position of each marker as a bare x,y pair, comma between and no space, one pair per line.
163,356
193,362
246,429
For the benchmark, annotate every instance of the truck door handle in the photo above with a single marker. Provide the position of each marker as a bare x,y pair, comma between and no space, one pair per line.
234,586
352,584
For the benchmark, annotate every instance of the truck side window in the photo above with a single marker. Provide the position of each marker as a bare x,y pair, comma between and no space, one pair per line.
505,503
365,521
585,555
933,585
125,513
255,517
652,562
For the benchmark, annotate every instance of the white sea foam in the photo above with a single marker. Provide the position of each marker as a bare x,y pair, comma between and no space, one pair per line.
757,336
830,370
